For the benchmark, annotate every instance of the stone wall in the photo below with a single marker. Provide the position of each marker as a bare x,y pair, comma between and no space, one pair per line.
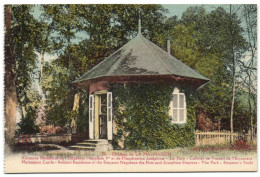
51,139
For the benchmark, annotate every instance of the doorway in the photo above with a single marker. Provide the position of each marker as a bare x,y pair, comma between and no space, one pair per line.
102,116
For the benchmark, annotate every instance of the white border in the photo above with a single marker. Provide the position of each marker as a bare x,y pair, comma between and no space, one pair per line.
2,2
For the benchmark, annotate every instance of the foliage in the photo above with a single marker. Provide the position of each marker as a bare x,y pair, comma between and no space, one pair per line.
55,85
201,40
82,119
26,31
50,130
24,139
24,23
241,117
240,145
27,124
141,115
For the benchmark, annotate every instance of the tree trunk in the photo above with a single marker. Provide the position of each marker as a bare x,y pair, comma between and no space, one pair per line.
10,77
219,124
250,107
76,109
232,109
234,77
42,65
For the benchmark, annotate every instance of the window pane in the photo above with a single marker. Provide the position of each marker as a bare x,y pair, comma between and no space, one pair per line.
181,101
175,115
174,100
182,116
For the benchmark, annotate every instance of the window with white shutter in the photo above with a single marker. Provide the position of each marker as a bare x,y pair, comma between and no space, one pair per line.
178,107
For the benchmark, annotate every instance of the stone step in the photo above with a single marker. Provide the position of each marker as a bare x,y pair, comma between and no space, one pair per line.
82,148
93,145
99,141
87,144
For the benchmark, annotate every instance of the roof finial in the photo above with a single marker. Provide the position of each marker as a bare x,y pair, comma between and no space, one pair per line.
139,21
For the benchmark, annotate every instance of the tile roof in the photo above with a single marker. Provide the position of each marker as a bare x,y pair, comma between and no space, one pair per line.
140,57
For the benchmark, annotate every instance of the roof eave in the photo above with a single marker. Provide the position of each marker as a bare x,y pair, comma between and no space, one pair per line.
114,79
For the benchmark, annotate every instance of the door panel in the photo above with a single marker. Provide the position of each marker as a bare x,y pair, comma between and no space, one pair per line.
103,116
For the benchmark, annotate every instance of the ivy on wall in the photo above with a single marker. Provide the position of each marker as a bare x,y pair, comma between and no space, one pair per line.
83,115
142,119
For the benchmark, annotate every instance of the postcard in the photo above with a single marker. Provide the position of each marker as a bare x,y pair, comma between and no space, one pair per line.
130,88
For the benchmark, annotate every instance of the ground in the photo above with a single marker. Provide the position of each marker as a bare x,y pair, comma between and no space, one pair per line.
181,152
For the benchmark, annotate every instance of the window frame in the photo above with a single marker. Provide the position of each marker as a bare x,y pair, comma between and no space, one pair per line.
172,108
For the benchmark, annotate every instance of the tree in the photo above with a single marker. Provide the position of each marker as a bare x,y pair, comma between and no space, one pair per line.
247,65
236,53
24,45
64,22
46,45
10,78
201,40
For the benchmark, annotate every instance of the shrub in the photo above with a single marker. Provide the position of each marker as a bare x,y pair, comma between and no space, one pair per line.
141,115
51,130
82,119
240,145
24,139
27,124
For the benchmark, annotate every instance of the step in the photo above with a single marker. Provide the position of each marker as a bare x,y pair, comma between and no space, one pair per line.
93,145
82,148
96,141
87,144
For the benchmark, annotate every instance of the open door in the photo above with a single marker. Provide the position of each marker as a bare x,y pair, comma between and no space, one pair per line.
102,115
91,116
109,116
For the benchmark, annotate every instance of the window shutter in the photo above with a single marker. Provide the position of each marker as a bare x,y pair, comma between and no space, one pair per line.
175,107
109,116
178,107
181,101
181,108
175,100
91,116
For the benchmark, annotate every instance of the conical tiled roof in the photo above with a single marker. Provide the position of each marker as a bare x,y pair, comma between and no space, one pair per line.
140,57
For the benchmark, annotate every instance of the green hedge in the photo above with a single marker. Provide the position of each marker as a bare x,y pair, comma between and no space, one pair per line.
142,111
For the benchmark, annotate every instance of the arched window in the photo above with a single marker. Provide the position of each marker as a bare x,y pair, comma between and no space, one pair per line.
178,110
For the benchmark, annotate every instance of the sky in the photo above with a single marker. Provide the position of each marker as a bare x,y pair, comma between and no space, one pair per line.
178,9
